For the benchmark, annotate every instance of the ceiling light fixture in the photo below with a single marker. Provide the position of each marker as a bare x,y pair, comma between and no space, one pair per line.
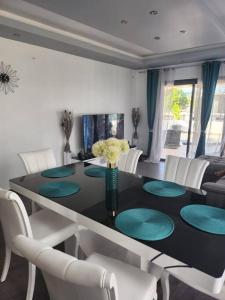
157,37
183,31
123,21
154,12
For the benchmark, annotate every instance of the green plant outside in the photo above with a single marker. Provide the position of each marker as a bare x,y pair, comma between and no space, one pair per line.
176,102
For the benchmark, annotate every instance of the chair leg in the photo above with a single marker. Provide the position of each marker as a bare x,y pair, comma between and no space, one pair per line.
165,285
6,263
72,245
31,281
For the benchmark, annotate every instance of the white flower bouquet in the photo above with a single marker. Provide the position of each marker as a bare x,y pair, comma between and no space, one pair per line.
110,149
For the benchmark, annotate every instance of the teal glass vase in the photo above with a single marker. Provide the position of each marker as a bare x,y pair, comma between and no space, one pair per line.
111,190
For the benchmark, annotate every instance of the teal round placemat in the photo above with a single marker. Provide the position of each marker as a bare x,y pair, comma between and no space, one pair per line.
145,224
204,217
164,188
95,172
59,189
58,172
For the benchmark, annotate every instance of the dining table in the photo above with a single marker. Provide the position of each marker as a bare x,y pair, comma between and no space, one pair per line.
186,246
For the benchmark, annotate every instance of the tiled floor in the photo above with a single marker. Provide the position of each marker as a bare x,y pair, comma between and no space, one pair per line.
14,288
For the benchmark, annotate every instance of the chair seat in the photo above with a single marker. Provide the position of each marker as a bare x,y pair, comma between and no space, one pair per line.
91,242
51,228
138,285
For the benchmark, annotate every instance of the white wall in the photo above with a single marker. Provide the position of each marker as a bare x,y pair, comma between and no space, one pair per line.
50,82
141,102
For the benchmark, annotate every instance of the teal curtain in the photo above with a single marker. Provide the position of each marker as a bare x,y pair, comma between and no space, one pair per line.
152,89
210,74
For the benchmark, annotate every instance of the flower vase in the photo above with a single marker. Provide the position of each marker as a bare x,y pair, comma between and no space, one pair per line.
111,189
135,137
67,158
67,146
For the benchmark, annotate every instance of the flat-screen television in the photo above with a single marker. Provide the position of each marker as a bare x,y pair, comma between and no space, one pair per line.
101,127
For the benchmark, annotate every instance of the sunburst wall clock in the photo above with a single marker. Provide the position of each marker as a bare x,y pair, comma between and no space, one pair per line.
8,79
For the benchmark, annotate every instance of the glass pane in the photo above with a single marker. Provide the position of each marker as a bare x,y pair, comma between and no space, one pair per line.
176,117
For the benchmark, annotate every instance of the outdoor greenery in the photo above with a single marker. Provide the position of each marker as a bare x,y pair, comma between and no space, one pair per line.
176,102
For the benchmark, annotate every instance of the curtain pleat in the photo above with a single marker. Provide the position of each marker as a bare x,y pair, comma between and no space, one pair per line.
210,73
152,89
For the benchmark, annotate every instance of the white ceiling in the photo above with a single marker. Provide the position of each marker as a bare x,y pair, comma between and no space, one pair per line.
93,28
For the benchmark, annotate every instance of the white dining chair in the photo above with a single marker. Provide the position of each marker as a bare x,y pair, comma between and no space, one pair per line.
90,242
45,226
185,171
37,161
128,161
97,278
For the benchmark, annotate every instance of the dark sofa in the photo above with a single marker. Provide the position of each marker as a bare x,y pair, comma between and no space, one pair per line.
213,184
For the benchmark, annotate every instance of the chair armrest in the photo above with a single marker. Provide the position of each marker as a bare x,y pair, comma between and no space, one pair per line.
64,266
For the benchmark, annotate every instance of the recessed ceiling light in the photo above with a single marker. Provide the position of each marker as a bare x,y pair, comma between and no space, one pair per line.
183,31
157,37
16,34
123,21
154,12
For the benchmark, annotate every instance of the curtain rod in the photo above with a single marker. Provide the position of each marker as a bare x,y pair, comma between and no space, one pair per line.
179,66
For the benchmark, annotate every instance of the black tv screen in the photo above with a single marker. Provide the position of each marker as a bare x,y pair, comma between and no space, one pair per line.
101,127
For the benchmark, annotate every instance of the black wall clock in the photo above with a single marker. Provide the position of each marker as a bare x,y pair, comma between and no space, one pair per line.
8,78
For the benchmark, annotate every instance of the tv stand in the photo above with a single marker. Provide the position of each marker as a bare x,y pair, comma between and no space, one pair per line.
84,156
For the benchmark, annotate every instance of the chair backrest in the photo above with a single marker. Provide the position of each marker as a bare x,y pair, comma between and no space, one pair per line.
37,161
185,171
67,277
13,217
128,161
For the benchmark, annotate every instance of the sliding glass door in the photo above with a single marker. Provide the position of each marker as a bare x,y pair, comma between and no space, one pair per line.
215,132
178,118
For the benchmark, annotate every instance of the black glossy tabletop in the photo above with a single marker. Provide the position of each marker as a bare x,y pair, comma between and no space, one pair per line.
191,246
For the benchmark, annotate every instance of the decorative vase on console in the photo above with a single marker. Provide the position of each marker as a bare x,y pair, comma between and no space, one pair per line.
67,125
135,120
110,150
